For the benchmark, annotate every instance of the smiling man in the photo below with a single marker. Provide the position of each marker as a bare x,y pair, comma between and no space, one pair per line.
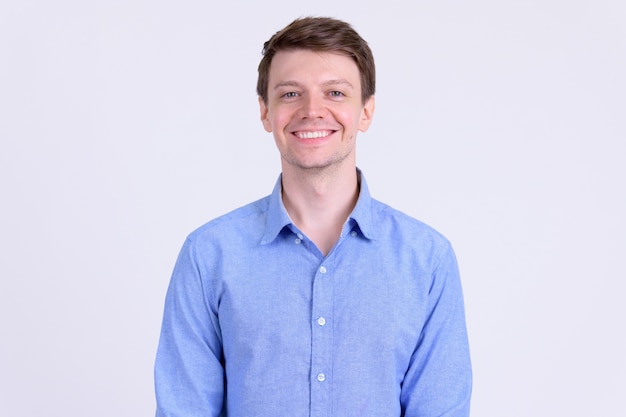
317,300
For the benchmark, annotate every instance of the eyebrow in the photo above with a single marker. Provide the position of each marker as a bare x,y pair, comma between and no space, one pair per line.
324,84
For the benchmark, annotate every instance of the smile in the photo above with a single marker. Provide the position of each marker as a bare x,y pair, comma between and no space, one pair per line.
313,135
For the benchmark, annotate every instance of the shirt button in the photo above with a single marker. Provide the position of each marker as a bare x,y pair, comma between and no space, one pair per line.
321,377
298,241
321,321
322,269
300,236
353,233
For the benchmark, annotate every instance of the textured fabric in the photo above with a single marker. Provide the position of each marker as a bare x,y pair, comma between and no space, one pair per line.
259,323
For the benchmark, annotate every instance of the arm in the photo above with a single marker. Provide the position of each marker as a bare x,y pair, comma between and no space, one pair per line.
189,372
439,379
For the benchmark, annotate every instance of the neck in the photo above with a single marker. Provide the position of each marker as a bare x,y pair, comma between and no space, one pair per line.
320,202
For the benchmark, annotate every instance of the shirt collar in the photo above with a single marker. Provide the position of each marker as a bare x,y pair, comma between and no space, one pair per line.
362,212
277,217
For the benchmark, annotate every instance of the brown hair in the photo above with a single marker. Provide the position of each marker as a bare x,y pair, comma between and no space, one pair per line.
323,34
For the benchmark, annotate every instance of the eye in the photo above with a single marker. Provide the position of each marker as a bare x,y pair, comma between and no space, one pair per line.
336,93
290,94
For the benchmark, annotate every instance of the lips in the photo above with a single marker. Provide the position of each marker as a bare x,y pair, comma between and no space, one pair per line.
313,134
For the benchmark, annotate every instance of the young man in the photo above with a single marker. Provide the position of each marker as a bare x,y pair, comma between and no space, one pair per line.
316,300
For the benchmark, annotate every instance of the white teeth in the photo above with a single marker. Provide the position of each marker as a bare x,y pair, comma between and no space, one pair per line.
313,135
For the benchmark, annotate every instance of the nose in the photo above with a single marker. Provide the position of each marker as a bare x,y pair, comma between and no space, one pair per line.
313,107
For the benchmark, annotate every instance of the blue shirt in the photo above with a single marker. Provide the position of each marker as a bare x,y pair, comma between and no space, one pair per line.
259,323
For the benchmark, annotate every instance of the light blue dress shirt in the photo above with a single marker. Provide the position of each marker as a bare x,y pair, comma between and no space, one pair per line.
259,323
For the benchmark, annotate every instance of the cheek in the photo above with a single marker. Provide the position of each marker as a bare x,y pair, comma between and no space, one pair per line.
349,118
272,122
280,119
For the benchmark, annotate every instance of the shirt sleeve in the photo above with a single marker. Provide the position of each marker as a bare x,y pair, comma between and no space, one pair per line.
189,371
439,378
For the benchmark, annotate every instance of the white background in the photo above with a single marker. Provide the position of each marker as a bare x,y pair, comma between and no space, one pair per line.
124,125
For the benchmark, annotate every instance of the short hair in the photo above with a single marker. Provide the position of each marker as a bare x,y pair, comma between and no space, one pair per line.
321,34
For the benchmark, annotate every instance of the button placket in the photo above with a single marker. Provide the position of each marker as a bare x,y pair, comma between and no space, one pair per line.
321,339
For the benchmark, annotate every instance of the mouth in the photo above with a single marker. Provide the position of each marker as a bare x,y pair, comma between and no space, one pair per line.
313,134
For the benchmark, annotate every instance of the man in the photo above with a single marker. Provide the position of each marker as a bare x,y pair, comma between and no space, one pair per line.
316,300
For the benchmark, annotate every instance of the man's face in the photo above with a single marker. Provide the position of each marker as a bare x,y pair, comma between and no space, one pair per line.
314,108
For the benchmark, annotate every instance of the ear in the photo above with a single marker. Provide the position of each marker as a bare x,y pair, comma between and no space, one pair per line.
267,125
367,113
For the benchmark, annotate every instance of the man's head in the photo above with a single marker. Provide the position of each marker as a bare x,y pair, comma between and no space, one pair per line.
320,34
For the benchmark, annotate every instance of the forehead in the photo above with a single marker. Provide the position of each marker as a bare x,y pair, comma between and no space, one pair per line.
311,66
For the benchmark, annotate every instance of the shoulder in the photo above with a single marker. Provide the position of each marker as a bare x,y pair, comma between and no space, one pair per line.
396,226
245,221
